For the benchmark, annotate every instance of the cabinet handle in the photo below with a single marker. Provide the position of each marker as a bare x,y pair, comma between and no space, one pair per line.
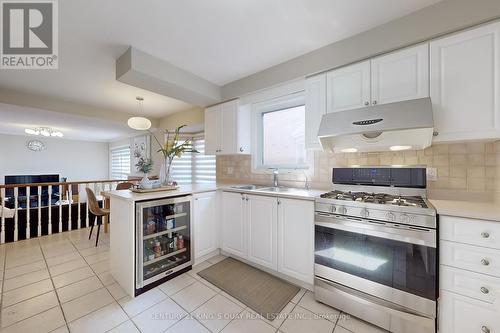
485,329
279,202
485,234
241,149
246,198
374,102
485,262
485,290
367,103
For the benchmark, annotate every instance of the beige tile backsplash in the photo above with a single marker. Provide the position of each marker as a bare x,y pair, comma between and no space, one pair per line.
471,169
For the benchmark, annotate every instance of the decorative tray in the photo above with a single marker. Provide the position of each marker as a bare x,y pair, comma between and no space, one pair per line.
158,189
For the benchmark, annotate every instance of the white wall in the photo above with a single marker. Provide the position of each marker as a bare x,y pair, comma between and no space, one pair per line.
76,160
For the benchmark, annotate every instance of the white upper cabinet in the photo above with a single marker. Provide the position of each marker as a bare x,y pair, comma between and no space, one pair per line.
465,84
315,108
262,230
205,224
348,87
401,75
227,129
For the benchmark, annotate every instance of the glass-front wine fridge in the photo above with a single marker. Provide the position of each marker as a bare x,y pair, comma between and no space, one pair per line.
163,234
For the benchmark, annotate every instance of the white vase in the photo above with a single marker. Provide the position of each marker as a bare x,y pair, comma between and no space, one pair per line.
145,183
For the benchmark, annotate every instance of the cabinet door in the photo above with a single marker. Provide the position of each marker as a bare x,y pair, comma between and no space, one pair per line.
465,84
229,127
459,314
205,223
315,108
262,229
233,224
296,239
213,128
402,75
348,87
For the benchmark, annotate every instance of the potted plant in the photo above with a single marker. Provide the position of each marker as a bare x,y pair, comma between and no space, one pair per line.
144,165
172,147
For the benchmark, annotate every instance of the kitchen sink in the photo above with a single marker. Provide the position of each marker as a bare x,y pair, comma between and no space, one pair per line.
277,189
247,187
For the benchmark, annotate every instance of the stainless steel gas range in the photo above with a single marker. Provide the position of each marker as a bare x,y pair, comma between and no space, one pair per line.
376,248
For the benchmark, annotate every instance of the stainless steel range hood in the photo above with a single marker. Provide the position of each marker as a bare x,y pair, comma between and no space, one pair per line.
393,126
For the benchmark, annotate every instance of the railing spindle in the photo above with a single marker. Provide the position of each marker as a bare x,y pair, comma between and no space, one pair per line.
79,208
50,210
60,207
16,217
39,230
86,208
70,198
2,203
28,204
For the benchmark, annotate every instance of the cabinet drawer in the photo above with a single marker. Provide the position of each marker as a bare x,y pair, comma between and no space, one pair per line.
482,287
469,231
473,258
460,314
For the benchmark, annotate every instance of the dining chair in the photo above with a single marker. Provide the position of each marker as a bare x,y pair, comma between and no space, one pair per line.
97,211
124,186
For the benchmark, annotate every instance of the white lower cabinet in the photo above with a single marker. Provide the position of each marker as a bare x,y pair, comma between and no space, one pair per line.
460,314
469,276
296,239
234,224
262,214
275,233
205,223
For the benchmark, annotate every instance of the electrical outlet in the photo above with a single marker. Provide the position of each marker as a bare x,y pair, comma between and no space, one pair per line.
230,170
432,174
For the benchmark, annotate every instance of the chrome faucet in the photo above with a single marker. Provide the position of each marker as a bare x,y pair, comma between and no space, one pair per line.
275,177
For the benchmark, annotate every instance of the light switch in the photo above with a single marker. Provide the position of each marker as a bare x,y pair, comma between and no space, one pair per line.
432,174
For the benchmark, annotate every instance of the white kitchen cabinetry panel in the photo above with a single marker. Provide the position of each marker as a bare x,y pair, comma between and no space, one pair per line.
474,232
469,257
262,229
205,223
213,120
479,286
348,87
234,224
227,129
459,314
465,84
315,108
296,239
401,75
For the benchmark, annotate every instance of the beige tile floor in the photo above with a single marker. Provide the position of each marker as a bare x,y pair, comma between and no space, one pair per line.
61,283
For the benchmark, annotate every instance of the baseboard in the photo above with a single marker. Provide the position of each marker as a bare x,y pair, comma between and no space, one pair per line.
201,259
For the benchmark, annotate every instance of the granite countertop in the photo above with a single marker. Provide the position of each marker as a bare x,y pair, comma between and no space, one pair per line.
200,188
468,209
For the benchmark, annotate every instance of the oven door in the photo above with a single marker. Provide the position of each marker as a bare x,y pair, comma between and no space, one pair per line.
396,263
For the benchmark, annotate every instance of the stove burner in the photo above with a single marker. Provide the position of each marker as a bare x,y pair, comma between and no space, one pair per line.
378,198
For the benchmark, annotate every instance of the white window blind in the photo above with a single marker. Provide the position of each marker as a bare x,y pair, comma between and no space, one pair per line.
120,162
194,168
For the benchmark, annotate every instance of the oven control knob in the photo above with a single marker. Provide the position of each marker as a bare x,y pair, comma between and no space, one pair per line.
365,213
404,218
391,217
342,210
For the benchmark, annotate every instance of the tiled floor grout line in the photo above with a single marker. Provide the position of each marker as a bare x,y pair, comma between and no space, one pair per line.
53,286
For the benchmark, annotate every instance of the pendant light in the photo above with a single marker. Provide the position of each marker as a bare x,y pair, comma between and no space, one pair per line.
139,123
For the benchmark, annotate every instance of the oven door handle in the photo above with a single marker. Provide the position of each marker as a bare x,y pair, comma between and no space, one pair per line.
420,236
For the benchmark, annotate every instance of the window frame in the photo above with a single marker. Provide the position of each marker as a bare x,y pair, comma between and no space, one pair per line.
121,147
258,111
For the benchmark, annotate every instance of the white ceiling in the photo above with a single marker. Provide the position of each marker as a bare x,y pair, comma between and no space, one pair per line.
219,40
14,119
